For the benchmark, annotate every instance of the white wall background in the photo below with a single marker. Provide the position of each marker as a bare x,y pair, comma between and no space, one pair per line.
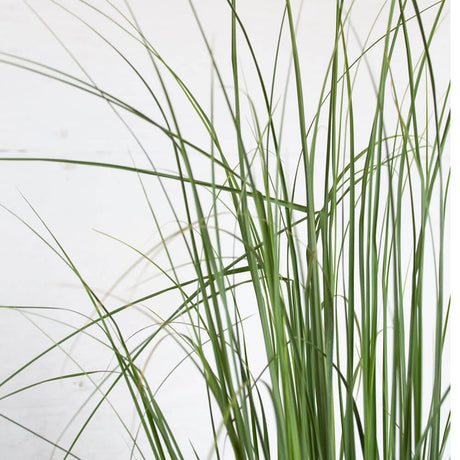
39,117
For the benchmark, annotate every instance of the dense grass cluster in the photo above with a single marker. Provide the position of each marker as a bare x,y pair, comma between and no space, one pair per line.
334,253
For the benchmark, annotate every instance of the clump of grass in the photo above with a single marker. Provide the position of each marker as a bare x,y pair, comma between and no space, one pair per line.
331,256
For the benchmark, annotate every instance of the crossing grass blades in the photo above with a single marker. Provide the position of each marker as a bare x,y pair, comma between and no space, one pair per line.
334,255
